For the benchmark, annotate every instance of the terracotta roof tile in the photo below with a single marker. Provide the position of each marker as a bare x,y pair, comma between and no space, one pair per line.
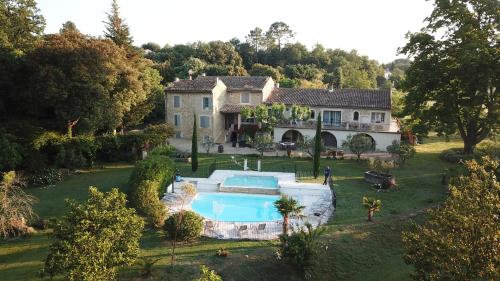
344,98
233,108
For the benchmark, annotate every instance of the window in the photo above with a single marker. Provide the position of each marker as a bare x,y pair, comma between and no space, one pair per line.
245,97
207,103
332,117
356,116
204,122
378,117
312,115
177,120
178,135
177,101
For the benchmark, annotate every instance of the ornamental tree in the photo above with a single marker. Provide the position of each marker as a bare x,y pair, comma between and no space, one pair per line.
454,80
95,238
263,142
372,205
317,147
287,206
359,144
459,241
194,147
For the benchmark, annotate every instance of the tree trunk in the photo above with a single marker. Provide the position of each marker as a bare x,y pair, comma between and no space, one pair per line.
285,225
469,146
370,214
70,126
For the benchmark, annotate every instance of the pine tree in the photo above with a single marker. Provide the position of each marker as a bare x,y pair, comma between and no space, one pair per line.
194,147
116,28
317,147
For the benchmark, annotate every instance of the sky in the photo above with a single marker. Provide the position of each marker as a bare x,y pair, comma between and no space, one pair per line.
375,28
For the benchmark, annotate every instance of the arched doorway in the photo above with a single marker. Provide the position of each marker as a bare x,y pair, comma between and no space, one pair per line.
292,136
329,140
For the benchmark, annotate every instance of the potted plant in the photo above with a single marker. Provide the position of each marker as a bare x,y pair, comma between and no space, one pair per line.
379,173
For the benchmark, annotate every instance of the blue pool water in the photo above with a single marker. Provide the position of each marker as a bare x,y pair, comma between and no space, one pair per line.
251,181
236,207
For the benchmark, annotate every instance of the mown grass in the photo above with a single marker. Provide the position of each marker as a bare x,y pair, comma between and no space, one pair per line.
353,248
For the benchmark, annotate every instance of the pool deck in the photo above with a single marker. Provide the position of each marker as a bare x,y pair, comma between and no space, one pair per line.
316,198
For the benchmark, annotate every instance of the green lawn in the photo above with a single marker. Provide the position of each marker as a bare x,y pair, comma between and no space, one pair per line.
354,249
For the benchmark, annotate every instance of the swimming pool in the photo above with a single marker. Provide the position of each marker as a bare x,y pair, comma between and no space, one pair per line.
235,207
251,181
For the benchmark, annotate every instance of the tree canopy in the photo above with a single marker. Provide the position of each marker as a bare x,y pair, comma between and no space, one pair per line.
453,81
460,239
92,82
95,238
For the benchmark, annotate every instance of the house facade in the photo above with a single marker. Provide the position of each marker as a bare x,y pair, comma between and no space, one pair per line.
218,101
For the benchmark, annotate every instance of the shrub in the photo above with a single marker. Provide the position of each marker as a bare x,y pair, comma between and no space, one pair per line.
48,176
10,152
402,150
301,248
380,166
190,229
67,152
154,168
162,150
149,205
454,155
208,275
488,148
147,181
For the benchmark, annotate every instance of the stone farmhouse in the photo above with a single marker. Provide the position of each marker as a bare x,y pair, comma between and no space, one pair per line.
218,101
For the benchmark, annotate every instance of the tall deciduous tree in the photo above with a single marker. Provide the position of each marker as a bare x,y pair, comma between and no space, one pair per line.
317,147
460,239
194,146
453,82
279,33
95,238
77,79
116,28
21,25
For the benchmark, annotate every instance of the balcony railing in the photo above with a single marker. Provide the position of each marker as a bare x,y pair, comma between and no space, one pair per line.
345,126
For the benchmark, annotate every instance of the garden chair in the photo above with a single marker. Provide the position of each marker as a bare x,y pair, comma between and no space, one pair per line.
260,228
242,230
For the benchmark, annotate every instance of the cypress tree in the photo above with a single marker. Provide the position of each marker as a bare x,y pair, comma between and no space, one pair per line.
317,147
194,147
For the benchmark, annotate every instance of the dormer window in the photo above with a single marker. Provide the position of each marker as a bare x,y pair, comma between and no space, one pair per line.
245,97
356,116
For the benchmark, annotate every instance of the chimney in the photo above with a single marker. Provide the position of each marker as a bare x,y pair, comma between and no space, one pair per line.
277,85
176,79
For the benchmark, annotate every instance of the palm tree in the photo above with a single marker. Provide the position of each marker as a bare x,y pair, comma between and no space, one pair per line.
372,205
287,206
